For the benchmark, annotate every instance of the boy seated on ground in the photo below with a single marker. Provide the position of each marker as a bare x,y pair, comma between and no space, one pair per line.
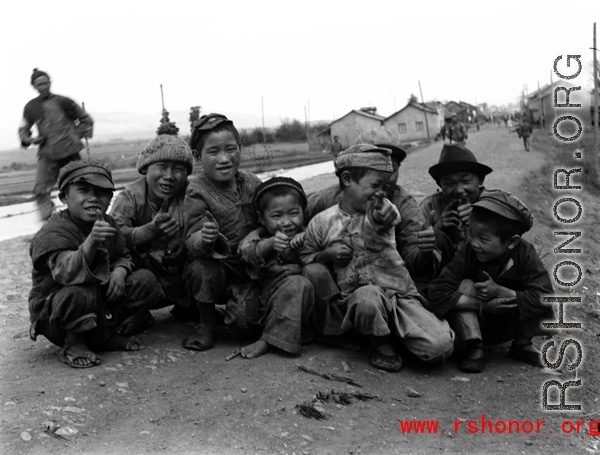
272,255
85,297
492,290
415,240
359,278
460,177
149,211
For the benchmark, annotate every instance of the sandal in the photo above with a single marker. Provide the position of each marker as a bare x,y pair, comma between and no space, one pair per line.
202,339
527,353
135,324
70,354
391,363
118,342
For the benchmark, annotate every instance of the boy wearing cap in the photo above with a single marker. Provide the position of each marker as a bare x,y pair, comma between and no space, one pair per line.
492,290
272,256
218,215
460,177
373,293
150,214
414,241
61,125
84,294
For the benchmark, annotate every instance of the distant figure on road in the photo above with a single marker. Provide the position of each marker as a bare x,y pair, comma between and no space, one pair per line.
457,132
525,131
336,147
61,124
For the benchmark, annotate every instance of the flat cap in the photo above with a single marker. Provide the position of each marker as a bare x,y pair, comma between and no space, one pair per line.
275,182
88,171
507,206
366,156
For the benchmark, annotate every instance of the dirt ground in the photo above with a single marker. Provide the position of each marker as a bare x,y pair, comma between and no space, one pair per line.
167,400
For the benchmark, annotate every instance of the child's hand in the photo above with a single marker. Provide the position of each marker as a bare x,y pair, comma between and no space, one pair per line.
281,242
116,284
210,230
426,238
499,305
383,210
163,221
297,241
102,231
488,289
340,254
464,212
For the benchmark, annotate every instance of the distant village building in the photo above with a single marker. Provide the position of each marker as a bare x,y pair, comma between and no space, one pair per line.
442,112
413,123
355,123
465,112
541,104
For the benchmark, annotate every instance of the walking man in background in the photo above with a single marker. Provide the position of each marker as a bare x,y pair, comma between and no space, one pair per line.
457,133
336,147
61,125
525,131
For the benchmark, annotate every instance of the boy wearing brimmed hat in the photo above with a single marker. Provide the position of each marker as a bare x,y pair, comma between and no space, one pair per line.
61,124
415,241
218,215
150,213
373,294
272,256
460,177
492,290
85,296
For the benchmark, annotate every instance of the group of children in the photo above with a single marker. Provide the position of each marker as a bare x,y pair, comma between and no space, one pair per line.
360,259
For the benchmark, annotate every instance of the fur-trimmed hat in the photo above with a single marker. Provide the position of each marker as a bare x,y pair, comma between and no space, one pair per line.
87,171
457,158
38,73
167,146
278,182
507,206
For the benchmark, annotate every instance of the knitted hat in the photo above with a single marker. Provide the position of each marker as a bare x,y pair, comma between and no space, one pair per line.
38,73
278,182
365,156
88,171
506,205
165,147
457,158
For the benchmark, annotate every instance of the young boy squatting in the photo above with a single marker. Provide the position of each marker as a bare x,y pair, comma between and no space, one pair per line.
84,294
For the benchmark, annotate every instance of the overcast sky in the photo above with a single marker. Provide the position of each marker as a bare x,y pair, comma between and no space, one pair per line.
327,56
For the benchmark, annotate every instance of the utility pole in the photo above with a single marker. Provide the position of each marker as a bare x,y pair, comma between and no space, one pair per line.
262,110
425,111
595,119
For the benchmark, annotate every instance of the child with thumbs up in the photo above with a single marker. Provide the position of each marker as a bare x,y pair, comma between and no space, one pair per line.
492,290
372,293
85,293
150,213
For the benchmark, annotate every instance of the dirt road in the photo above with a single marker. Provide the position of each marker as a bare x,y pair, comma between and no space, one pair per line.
167,400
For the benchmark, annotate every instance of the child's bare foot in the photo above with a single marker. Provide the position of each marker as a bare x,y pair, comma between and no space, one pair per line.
255,350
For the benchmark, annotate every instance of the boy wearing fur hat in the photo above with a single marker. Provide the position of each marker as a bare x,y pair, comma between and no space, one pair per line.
272,256
218,215
85,296
460,177
372,293
61,125
415,244
492,290
150,214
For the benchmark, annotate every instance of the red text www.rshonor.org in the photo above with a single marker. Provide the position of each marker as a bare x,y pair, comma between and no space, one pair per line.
488,426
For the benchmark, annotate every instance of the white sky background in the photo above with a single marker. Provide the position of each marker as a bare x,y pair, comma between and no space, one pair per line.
331,55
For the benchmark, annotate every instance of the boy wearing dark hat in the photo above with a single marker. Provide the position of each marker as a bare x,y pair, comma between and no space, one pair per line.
85,296
61,125
218,214
272,256
150,213
492,290
460,177
415,244
372,293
